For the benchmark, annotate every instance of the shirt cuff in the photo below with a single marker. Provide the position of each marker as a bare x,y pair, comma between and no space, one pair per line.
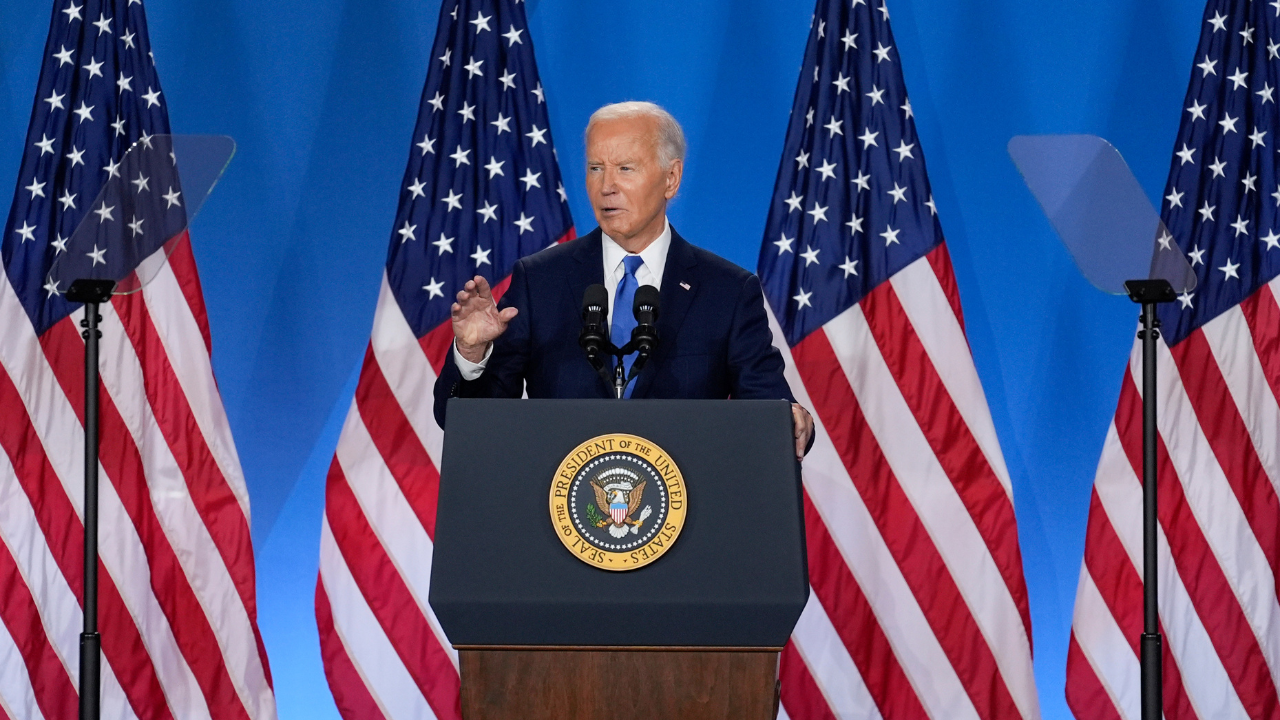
469,370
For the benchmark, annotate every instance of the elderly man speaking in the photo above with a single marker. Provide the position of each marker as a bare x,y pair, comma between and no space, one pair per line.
715,338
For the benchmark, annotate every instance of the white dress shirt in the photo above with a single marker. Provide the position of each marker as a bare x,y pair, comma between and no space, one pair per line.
650,273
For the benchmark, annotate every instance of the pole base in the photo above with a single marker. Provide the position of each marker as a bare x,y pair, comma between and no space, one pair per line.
90,676
1152,690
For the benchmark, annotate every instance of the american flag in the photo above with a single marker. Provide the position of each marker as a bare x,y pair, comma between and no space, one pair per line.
176,601
1219,421
482,189
919,605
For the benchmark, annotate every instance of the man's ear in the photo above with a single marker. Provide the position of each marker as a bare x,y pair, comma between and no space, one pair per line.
674,174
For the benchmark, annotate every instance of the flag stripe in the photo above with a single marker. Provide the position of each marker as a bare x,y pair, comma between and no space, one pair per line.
1262,314
52,687
827,662
1085,694
350,693
801,696
940,261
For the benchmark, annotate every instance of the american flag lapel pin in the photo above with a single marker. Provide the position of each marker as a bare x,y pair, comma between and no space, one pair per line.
684,285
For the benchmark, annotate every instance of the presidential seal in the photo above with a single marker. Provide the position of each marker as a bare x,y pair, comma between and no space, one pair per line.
618,502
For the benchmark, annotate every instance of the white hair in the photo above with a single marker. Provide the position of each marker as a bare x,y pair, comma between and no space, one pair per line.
671,145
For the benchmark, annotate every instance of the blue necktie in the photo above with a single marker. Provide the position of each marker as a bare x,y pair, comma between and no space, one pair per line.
624,320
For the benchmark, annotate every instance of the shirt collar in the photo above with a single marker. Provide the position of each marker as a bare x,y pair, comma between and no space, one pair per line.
654,256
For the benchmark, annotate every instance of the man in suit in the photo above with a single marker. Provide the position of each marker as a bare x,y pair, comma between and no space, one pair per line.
715,340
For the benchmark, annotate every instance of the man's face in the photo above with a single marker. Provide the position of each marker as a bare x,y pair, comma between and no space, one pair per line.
627,184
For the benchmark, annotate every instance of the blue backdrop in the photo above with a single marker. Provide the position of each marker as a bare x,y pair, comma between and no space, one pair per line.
321,96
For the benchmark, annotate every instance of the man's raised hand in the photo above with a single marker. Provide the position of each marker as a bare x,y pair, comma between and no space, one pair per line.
477,322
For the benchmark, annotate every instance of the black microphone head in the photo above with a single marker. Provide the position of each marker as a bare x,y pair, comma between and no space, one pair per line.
647,296
595,296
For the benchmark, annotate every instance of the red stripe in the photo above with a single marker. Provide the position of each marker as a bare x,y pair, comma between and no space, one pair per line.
1220,420
350,694
1086,696
929,578
940,261
183,264
390,599
125,470
54,691
949,437
856,624
1263,317
64,534
801,696
1216,604
397,442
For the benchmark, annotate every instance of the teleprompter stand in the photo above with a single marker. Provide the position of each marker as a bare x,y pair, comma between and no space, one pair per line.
542,635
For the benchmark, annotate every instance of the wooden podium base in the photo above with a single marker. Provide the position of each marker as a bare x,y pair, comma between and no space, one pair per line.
619,684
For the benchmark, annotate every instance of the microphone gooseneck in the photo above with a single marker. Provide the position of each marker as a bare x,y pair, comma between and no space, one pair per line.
645,335
593,338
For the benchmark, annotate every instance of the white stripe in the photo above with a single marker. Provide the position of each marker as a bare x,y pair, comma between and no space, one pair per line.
202,564
385,675
833,671
406,369
389,514
874,568
931,315
782,713
939,507
17,698
1231,343
1104,646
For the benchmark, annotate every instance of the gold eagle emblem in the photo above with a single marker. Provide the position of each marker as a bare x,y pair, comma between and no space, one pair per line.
619,493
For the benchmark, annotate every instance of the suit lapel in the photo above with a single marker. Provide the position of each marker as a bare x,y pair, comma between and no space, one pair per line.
589,268
679,286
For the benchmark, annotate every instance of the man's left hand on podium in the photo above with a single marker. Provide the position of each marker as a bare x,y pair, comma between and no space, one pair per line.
802,422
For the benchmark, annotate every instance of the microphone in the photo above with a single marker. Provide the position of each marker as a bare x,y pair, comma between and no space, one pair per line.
593,338
645,335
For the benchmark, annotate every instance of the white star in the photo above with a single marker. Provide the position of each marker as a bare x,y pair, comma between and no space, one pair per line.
1217,167
136,226
85,112
1247,34
783,243
1273,50
473,68
437,102
808,118
1218,21
447,57
1241,226
855,225
803,299
494,167
850,267
899,194
850,40
842,83
1276,195
1208,67
881,52
103,23
822,29
45,144
1239,79
468,111
481,22
1250,182
564,197
1197,256
94,67
513,36
1258,137
1228,123
818,212
502,123
904,150
906,109
530,179
68,200
51,286
815,73
460,157
890,236
795,202
481,257
141,182
444,245
933,207
97,255
1165,240
27,231
35,188
1196,110
1267,93
802,160
827,170
1271,239
868,138
112,169
508,80
833,127
406,232
453,200
152,97
127,38
55,101
76,157
1229,270
64,57
538,92
861,180
490,212
810,256
428,144
537,136
1185,153
876,95
1275,4
73,12
524,223
415,189
124,83
884,10
1185,299
1206,212
433,289
1175,198
172,198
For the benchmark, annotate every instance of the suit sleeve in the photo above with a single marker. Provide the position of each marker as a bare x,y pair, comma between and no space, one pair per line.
755,365
503,377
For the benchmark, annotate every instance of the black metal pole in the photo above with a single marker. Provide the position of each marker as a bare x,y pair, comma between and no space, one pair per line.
1151,642
90,640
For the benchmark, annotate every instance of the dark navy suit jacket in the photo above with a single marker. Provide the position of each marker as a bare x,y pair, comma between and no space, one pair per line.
714,338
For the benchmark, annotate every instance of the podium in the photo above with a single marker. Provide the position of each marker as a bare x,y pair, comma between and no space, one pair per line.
543,631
